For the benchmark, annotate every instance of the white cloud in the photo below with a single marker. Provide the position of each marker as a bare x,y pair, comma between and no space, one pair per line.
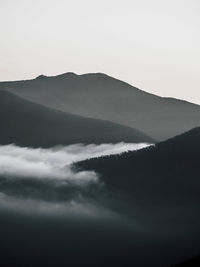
55,163
42,181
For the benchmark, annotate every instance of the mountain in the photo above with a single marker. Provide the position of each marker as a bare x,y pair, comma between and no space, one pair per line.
170,166
159,188
100,96
30,124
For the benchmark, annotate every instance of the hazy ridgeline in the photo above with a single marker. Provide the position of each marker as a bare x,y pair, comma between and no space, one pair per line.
99,96
29,124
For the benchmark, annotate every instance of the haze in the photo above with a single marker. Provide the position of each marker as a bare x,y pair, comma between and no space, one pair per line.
153,45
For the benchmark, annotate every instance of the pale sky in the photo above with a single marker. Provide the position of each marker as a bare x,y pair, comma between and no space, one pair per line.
151,44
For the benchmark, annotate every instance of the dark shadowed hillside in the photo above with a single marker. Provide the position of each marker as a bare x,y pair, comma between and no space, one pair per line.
102,97
29,124
160,187
168,169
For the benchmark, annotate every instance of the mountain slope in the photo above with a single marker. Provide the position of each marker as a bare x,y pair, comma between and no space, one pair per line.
159,187
100,96
29,124
170,166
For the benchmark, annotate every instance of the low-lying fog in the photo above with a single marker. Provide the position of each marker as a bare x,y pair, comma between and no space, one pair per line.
42,179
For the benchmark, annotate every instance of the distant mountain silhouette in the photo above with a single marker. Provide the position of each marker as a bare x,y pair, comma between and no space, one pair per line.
99,96
30,124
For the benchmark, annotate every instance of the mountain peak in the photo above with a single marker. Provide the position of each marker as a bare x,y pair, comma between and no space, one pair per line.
67,75
41,77
63,75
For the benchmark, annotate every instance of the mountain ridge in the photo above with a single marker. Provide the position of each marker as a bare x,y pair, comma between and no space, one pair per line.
99,96
173,160
29,124
160,187
73,74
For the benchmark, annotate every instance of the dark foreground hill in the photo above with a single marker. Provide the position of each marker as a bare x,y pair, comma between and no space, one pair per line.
30,124
99,96
168,167
160,187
